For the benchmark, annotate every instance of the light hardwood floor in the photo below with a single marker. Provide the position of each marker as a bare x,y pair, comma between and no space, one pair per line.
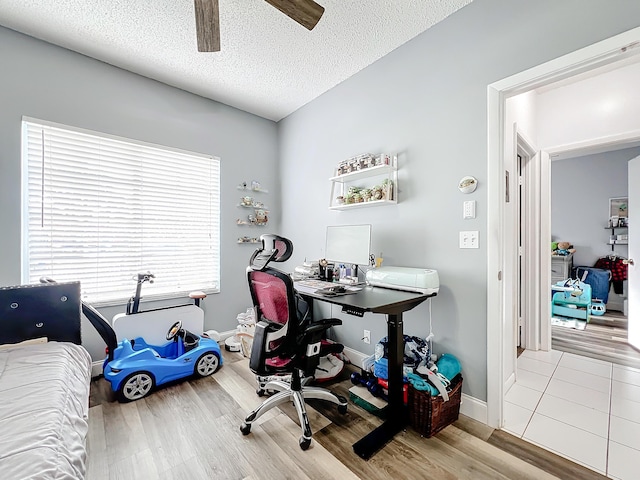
190,431
604,338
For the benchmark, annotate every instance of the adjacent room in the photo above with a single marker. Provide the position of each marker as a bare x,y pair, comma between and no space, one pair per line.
260,239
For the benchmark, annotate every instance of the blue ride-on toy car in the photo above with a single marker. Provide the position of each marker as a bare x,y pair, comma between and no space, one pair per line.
137,367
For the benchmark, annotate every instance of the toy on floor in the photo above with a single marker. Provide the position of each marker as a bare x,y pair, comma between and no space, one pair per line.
151,323
598,307
137,367
573,300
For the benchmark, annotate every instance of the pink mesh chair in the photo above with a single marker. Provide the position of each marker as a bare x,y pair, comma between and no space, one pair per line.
285,342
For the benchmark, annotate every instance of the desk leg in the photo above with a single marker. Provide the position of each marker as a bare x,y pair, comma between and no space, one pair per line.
396,414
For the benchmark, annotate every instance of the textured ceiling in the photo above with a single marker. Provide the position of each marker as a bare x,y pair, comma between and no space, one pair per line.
268,64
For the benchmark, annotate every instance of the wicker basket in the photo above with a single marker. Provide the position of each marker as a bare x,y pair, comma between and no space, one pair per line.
429,414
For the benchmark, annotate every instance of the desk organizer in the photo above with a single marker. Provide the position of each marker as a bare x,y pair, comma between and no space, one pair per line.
429,414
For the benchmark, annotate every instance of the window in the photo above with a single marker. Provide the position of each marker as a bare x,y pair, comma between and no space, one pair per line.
100,209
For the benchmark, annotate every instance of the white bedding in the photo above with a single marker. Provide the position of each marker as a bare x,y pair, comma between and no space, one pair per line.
44,407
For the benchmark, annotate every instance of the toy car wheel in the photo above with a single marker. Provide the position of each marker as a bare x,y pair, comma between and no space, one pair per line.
136,386
207,364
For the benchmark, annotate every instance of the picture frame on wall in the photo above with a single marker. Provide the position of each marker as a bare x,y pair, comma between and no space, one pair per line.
618,211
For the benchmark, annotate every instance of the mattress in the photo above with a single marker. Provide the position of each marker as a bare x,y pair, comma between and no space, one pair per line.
44,407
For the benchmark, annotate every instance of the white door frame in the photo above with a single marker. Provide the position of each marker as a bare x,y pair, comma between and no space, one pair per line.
633,335
529,214
580,61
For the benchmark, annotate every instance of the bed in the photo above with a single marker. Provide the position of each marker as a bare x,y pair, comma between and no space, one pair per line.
44,410
44,381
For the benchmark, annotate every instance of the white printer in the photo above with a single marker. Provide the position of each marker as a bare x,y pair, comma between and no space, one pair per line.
421,280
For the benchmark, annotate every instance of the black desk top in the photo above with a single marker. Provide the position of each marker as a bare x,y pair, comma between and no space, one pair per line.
375,300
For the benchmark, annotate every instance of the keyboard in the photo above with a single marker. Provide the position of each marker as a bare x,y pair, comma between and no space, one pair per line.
311,286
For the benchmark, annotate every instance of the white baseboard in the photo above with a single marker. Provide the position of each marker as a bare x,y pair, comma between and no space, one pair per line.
510,382
96,369
354,356
474,408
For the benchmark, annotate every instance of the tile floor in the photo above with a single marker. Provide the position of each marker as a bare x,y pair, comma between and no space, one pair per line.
584,409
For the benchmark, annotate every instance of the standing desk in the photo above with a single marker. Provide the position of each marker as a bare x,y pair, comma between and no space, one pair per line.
392,303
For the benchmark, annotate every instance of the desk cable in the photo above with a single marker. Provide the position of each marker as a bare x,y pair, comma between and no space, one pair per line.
429,338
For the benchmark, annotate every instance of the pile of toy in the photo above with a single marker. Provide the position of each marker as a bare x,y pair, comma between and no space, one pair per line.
242,340
422,369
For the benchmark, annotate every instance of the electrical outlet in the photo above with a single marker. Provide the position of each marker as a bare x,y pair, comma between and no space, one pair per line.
366,338
469,239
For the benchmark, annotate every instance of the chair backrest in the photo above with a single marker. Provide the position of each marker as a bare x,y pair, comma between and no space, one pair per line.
274,301
274,249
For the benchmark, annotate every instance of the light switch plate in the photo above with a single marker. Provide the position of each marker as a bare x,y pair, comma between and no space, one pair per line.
469,239
469,209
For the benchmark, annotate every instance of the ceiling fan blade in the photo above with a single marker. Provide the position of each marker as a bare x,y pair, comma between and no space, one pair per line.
207,25
306,12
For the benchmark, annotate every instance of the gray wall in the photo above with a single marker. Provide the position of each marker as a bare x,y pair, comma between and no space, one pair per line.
580,192
427,100
46,82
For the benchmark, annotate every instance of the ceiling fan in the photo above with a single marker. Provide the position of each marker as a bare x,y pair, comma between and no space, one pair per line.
306,12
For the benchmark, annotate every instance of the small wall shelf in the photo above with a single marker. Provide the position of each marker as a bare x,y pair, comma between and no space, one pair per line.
257,214
613,241
248,241
378,182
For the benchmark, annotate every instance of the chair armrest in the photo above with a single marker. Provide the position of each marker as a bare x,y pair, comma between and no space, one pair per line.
321,325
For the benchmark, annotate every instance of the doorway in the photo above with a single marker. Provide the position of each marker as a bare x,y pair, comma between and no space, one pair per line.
502,274
582,221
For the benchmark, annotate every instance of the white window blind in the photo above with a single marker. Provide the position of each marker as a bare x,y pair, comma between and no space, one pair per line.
101,209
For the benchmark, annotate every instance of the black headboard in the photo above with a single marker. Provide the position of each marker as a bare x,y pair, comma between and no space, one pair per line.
49,310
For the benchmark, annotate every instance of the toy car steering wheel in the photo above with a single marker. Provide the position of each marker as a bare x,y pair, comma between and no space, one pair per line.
174,330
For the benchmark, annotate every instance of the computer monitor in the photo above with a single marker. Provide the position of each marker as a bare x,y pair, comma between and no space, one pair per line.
348,244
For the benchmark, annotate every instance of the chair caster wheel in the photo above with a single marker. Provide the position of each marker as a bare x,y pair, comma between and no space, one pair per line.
260,392
342,409
245,428
304,443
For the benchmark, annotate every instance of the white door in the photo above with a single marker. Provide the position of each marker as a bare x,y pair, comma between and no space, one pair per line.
633,276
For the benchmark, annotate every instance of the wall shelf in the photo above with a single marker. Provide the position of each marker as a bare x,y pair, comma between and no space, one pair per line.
251,241
380,182
613,242
258,213
370,203
365,173
247,222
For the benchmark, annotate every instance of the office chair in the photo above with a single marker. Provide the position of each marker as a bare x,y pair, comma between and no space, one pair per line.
286,341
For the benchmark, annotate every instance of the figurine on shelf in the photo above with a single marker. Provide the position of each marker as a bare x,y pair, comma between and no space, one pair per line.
255,185
242,186
261,217
246,201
